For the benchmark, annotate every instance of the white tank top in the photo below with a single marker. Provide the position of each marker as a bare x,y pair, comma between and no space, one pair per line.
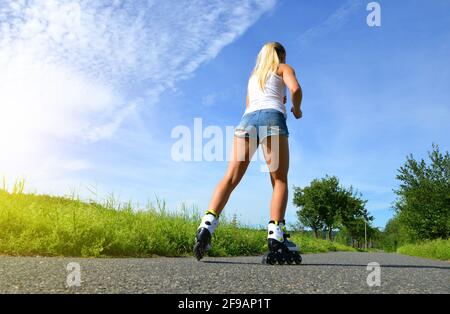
271,98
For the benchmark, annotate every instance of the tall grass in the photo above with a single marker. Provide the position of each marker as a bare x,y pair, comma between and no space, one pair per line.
33,224
438,249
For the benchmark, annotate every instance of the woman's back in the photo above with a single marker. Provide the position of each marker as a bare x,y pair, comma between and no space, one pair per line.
270,98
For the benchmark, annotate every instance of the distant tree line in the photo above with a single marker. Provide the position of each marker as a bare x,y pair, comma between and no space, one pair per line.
422,208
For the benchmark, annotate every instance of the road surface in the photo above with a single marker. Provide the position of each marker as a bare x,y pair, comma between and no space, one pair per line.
320,273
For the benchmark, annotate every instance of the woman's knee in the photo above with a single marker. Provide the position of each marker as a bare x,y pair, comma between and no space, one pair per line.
231,180
280,181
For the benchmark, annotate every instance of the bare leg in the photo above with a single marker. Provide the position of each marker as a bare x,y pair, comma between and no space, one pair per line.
243,150
276,153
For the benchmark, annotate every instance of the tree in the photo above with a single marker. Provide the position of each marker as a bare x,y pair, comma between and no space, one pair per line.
333,202
325,204
309,214
394,235
423,203
354,216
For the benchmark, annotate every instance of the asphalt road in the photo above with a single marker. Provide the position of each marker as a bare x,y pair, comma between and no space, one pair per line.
319,273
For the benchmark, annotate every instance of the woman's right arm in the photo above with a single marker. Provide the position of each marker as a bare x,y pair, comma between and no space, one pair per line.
291,82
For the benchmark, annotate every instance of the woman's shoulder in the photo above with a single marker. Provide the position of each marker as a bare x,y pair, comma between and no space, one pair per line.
284,67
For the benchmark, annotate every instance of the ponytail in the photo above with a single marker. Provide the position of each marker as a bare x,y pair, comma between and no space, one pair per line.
267,62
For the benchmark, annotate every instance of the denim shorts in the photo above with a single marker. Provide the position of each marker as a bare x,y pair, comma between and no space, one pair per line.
262,123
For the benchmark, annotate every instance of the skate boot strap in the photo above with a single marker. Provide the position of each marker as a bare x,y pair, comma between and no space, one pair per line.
212,212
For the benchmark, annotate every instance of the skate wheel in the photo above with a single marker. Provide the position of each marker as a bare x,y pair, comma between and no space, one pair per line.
280,259
290,260
269,259
298,259
198,251
203,240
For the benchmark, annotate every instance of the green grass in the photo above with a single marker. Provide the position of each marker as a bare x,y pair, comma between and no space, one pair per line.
437,249
45,225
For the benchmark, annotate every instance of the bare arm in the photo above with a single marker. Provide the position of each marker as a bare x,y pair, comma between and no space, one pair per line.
294,87
246,102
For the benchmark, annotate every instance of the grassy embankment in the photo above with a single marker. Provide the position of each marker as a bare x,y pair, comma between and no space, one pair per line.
437,249
45,225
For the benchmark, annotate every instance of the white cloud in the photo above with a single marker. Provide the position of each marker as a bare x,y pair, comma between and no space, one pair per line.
76,69
51,100
334,22
76,165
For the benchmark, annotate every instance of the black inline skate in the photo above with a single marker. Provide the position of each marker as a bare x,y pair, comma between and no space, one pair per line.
204,234
281,250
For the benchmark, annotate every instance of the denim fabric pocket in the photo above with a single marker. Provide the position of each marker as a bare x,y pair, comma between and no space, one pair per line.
274,123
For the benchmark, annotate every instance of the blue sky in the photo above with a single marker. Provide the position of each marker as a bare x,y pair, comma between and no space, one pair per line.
89,94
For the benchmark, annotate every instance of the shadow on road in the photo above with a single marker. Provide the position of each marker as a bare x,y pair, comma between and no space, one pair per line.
333,265
230,262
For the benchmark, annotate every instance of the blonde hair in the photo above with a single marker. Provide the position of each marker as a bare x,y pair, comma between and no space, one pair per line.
267,62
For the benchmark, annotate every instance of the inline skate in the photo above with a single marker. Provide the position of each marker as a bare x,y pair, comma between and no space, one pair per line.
281,250
204,233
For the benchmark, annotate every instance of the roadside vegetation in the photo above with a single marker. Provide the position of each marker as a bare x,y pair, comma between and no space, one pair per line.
331,217
32,224
420,226
439,249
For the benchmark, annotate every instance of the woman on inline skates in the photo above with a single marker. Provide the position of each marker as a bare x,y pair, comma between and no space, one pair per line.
263,122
